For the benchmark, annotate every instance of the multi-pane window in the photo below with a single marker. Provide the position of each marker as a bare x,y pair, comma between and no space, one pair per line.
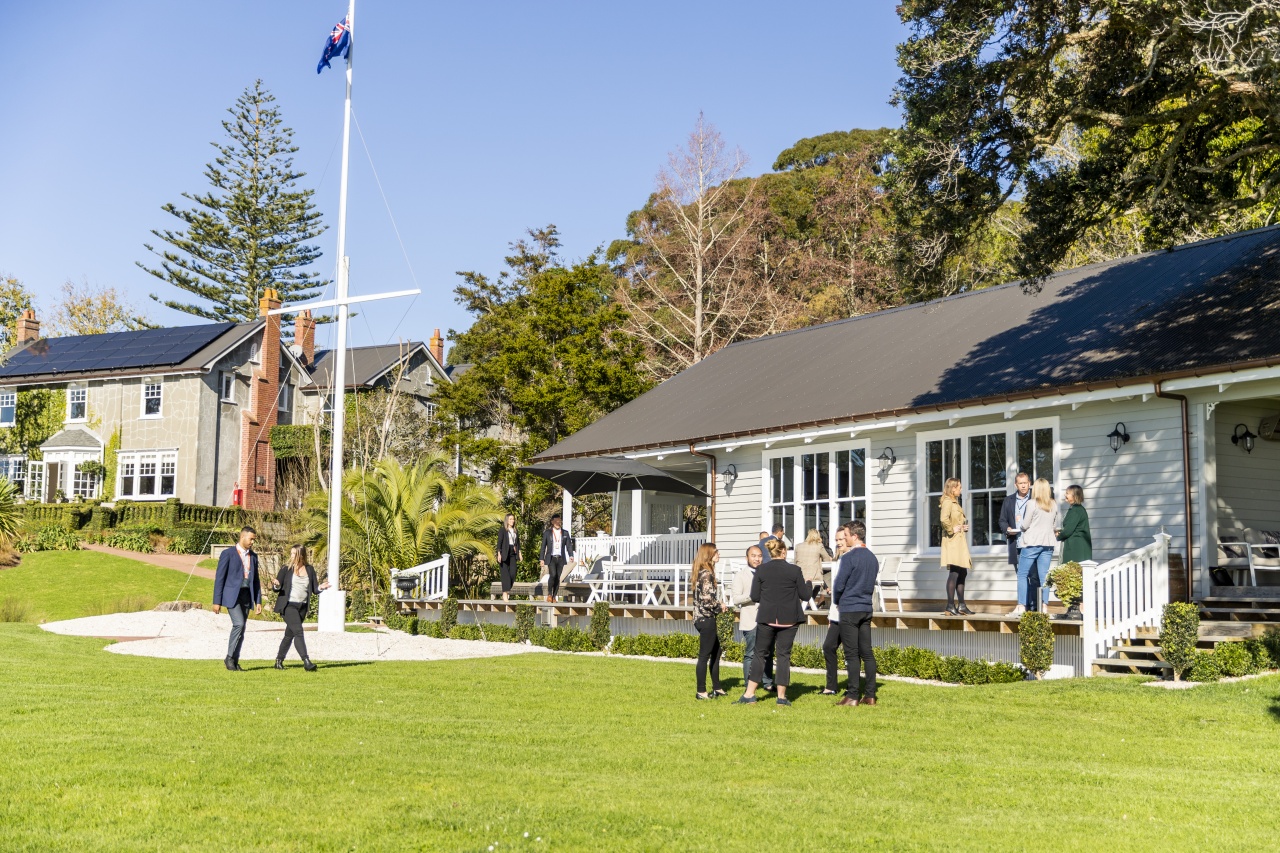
431,413
228,388
77,403
35,481
14,469
152,393
832,490
83,484
985,460
147,475
286,397
8,407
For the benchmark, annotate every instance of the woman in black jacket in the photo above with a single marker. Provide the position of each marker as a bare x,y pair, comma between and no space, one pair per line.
294,587
780,589
508,555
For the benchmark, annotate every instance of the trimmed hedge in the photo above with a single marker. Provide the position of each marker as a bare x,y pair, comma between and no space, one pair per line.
601,625
1179,633
524,621
1035,642
1234,659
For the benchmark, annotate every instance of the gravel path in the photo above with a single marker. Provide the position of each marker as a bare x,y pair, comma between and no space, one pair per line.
202,635
185,563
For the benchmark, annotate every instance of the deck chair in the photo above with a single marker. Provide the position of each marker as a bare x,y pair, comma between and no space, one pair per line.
887,565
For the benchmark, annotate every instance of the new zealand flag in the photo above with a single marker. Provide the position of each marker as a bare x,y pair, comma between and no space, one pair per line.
337,44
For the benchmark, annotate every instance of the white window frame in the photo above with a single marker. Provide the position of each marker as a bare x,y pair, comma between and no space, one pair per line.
285,403
431,409
227,383
255,352
35,480
143,397
1011,430
161,459
71,392
83,485
8,400
10,463
796,533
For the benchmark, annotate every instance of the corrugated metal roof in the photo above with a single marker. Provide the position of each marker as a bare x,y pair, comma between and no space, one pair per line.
364,364
1199,306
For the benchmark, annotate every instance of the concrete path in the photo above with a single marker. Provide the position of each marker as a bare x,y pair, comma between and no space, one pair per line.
202,635
185,563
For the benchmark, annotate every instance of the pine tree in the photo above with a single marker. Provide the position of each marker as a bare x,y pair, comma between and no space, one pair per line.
252,231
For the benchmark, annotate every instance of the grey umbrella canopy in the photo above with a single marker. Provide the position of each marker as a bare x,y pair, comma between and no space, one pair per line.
610,474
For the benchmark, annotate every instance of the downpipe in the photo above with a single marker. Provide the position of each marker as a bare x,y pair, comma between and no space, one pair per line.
1186,477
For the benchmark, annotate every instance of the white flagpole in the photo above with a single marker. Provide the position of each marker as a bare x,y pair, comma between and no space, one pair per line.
333,610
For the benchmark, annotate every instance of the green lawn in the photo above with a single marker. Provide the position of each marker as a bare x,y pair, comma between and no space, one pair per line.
69,584
114,752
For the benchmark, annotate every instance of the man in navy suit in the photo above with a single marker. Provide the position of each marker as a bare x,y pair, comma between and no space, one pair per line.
237,588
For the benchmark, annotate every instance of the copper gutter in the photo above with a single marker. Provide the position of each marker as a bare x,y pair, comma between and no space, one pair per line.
1186,474
711,483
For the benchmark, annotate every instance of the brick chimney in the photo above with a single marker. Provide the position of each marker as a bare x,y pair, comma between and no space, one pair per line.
304,335
257,462
437,346
29,327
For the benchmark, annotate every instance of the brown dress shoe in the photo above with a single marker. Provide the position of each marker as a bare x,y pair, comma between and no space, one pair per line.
869,700
550,599
847,701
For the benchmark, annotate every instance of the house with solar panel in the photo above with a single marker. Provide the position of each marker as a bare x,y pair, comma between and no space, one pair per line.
1152,382
183,412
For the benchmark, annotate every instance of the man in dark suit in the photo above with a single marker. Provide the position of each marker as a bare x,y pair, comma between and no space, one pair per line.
557,550
237,588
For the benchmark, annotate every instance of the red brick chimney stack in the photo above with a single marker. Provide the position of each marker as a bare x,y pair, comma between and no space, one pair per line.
437,346
29,327
304,335
257,462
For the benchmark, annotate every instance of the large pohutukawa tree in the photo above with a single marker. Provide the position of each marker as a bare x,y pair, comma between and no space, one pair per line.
1088,114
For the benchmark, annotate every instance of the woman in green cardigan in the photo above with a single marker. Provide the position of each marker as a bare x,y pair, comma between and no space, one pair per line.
1077,543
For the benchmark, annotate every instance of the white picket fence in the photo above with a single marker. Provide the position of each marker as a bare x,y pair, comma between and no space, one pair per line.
433,581
653,549
1123,595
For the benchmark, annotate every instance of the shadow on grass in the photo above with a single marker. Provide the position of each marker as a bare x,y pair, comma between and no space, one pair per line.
1275,708
319,665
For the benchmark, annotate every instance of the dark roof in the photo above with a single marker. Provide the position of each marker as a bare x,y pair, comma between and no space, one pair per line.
1191,309
364,364
123,353
71,437
454,371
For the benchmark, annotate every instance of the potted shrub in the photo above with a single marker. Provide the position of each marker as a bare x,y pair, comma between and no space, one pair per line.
1068,582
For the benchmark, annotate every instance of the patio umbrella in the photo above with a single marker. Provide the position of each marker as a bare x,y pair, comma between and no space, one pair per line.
602,474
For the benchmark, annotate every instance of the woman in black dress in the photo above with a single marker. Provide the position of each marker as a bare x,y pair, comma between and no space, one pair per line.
508,555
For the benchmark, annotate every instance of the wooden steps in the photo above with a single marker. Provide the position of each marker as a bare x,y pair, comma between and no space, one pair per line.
1142,654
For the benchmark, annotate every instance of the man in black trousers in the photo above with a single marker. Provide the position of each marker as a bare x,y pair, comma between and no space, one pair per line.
237,588
855,584
557,550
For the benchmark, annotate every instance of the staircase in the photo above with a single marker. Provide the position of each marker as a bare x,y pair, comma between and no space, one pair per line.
1141,654
1245,604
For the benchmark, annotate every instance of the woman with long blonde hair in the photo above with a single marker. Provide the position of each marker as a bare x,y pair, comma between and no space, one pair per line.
294,587
955,545
1039,524
707,606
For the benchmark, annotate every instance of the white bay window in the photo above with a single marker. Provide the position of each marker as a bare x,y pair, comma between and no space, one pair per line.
147,475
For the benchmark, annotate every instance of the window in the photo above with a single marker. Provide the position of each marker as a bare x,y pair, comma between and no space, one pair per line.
285,403
832,490
228,388
253,352
8,407
14,469
152,393
83,485
147,475
431,412
985,460
77,403
35,481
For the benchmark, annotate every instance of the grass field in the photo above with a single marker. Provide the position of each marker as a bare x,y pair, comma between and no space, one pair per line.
69,584
107,751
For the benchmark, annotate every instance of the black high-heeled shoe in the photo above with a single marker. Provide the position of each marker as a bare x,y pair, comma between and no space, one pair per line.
308,665
279,664
951,611
965,610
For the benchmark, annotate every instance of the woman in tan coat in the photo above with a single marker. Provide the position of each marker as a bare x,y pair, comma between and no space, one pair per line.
955,546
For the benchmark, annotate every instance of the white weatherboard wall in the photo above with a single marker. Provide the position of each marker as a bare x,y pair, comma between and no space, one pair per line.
1129,495
1248,483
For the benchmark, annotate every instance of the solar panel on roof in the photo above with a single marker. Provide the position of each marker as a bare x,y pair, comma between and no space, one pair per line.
114,351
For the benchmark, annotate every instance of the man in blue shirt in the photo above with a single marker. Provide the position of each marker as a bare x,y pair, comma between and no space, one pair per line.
855,585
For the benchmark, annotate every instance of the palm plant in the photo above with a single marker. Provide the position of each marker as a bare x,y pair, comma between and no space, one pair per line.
10,514
396,517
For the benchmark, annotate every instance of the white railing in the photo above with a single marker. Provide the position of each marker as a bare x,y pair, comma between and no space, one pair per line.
1123,595
653,549
433,581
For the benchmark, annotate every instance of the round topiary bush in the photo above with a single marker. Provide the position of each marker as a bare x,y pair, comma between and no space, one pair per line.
1035,641
1179,633
1234,660
1068,582
1204,667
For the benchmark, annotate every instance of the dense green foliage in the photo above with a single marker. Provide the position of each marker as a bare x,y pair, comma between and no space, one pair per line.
1067,581
294,441
601,628
252,230
39,414
524,621
1035,642
50,537
1179,633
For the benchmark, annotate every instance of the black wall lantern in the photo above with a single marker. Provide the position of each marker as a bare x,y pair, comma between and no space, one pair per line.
886,460
729,476
1243,439
1119,437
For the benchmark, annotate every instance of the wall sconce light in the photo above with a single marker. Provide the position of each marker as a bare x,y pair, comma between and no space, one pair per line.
1118,437
1244,439
729,476
886,460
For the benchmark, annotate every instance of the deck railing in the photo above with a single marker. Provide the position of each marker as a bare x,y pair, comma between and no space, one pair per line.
433,581
653,549
1123,595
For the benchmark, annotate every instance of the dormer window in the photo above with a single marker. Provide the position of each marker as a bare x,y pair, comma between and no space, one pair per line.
77,403
152,398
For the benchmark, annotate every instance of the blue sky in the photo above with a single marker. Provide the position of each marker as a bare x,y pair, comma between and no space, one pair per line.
482,119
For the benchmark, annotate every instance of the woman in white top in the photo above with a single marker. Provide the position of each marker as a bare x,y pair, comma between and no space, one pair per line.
294,587
1039,524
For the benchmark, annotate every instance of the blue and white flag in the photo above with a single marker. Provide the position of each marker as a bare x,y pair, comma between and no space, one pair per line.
337,44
